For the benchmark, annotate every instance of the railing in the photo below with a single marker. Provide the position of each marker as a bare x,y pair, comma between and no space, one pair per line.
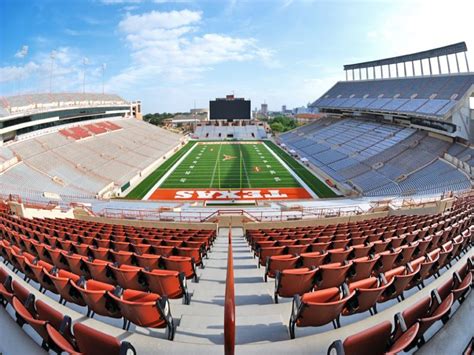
229,305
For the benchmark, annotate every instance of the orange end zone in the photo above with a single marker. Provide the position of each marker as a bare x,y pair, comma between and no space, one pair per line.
288,193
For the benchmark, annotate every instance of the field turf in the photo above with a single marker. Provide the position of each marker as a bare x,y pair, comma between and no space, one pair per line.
230,166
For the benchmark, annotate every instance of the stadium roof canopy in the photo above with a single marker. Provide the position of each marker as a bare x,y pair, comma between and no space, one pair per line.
429,96
431,53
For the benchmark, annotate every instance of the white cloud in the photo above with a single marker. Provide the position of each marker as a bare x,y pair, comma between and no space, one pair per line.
158,20
165,46
22,53
67,69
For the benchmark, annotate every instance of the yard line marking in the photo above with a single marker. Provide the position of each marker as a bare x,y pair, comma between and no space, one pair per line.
245,168
168,173
215,165
292,173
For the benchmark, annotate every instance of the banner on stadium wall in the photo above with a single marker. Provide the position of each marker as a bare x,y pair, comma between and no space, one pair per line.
288,193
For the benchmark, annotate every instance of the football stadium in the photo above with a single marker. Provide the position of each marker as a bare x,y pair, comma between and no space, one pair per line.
352,233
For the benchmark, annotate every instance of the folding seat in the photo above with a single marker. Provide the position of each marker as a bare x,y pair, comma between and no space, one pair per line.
141,248
129,277
313,259
81,249
42,252
265,253
340,255
402,276
17,258
95,295
422,315
145,309
99,270
305,241
409,238
422,247
396,242
361,250
297,249
318,308
366,293
86,240
387,260
263,244
457,247
332,275
90,341
39,315
62,281
362,267
172,243
375,340
193,253
278,263
121,257
37,268
182,264
101,243
64,244
287,242
205,242
6,289
120,246
406,253
148,261
462,280
340,244
169,283
163,250
426,265
444,257
321,247
58,258
99,253
290,282
75,263
380,246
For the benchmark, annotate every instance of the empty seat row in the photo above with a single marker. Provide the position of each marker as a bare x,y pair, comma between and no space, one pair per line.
145,309
410,325
54,328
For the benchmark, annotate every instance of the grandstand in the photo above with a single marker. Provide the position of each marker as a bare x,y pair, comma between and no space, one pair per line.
379,159
61,164
237,132
393,136
232,261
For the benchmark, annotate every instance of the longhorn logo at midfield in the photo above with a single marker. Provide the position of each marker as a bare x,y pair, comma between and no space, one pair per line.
228,157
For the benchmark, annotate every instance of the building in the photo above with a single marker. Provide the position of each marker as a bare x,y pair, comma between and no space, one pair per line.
26,113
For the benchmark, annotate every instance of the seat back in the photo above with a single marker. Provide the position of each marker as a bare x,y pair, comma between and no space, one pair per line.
297,281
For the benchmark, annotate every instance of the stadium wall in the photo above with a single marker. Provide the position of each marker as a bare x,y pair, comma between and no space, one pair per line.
80,215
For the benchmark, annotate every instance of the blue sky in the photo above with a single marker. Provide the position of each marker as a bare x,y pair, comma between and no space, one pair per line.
172,54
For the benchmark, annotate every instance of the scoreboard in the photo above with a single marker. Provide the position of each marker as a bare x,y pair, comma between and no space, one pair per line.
229,109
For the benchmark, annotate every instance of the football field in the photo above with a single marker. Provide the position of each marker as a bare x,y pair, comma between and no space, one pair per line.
226,171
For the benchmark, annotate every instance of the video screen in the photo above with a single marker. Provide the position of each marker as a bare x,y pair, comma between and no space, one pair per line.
230,110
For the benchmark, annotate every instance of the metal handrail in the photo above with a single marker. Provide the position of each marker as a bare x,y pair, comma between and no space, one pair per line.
229,305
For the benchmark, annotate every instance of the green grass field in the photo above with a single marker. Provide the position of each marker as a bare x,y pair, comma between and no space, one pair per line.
142,188
319,187
230,166
220,165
